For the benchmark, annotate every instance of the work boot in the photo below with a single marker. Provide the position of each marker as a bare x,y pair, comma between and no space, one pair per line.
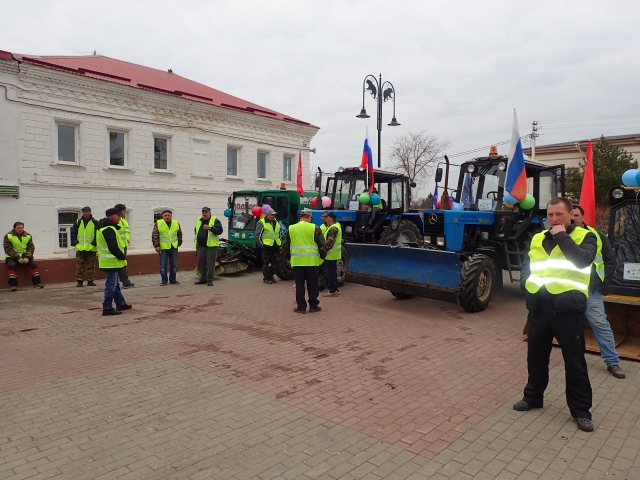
330,294
300,310
91,284
523,406
126,306
584,424
210,284
111,311
128,285
38,285
79,284
175,282
202,281
13,288
314,309
616,371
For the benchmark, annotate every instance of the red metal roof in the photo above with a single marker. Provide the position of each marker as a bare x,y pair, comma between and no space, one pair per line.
137,76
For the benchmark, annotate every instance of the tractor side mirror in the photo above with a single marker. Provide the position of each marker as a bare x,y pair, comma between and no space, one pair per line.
317,182
229,200
438,174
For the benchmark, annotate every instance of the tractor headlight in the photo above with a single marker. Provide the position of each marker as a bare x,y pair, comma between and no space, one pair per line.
484,236
471,168
502,166
440,241
617,193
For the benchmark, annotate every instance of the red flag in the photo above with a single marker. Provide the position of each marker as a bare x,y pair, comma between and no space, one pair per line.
299,176
588,194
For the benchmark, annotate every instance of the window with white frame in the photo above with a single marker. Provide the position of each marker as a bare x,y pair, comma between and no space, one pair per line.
233,169
66,143
262,166
65,222
117,149
287,160
161,153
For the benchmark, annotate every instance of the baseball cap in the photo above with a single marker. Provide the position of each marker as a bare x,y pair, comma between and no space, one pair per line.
271,211
112,211
206,209
86,208
306,211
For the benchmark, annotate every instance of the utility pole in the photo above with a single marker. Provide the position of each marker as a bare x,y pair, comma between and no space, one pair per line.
534,134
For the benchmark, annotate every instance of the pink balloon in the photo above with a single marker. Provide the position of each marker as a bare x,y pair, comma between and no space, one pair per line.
326,202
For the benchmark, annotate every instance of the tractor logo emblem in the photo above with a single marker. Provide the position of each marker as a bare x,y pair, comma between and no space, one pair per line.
244,235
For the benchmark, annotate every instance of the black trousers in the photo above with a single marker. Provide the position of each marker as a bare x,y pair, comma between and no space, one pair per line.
568,328
122,273
309,275
207,262
331,269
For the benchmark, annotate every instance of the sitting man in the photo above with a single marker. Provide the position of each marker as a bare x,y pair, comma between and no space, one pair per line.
19,249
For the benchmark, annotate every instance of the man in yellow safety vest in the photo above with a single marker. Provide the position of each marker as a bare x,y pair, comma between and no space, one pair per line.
111,260
267,236
125,233
208,227
166,238
333,237
83,237
19,250
555,278
304,244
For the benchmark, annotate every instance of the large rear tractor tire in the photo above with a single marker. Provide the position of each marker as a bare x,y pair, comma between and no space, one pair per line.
284,270
477,280
343,266
406,233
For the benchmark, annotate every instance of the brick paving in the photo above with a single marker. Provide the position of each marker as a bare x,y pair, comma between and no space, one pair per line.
228,382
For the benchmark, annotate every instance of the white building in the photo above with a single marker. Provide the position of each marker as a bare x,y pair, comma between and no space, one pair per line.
96,131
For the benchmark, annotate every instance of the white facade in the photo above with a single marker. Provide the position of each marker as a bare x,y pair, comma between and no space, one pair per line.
91,118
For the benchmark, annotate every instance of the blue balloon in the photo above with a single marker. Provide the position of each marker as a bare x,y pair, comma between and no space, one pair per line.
638,177
510,199
374,199
457,206
228,213
630,178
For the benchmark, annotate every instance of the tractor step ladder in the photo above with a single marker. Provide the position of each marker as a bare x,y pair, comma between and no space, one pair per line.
511,267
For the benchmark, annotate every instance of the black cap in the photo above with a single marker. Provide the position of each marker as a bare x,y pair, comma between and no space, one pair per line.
112,211
332,215
86,208
206,209
120,206
165,211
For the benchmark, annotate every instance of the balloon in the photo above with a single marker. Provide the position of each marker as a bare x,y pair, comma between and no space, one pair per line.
457,206
256,211
528,203
364,198
507,205
326,202
630,178
638,177
508,198
313,202
450,205
374,199
228,213
265,207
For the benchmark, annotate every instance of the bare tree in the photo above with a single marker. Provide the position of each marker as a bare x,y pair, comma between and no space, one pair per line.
415,153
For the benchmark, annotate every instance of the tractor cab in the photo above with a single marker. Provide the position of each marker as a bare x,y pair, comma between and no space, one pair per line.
361,221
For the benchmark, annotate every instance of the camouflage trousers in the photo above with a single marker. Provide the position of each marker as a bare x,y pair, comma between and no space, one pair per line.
269,261
87,259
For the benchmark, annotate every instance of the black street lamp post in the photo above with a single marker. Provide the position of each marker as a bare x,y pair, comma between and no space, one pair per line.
377,90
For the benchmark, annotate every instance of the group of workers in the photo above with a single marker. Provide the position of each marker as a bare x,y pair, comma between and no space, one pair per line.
562,277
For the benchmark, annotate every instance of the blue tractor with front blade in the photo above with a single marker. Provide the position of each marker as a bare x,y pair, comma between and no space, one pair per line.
447,254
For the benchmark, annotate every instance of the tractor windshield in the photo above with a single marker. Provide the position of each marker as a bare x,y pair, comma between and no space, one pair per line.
486,181
242,218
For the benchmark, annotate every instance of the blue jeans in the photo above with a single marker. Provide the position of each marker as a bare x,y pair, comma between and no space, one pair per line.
170,255
112,291
601,328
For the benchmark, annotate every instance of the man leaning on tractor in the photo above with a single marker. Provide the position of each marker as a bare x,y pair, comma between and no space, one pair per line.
268,238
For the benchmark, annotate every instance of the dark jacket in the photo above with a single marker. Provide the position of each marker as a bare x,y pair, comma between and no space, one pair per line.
202,235
112,241
76,225
580,255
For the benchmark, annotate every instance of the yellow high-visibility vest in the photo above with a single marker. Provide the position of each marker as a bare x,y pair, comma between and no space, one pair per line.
212,238
168,236
304,249
336,251
105,258
86,235
269,235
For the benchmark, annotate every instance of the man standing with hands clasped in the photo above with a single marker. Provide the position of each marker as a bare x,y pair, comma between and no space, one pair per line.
604,267
555,277
208,227
268,238
166,238
83,237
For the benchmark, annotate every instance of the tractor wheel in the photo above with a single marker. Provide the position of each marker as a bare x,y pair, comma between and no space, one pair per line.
284,270
343,266
477,279
406,233
402,296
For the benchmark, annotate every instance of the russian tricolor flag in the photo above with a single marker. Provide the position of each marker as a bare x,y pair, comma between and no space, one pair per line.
367,159
516,183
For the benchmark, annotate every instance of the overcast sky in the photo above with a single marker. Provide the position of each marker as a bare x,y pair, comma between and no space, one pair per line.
459,68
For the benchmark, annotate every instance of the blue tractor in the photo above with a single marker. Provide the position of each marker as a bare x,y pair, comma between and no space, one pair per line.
455,255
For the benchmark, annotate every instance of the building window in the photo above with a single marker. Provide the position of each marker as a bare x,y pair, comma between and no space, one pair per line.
262,165
65,222
157,216
232,162
67,139
286,168
160,153
117,149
